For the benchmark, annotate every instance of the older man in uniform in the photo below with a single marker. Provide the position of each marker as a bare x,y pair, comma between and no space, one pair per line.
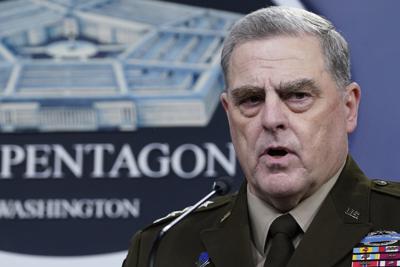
290,104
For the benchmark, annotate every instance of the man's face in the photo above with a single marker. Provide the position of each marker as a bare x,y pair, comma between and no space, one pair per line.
287,118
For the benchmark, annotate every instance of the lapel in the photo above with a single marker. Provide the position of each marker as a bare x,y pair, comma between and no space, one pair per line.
341,222
228,243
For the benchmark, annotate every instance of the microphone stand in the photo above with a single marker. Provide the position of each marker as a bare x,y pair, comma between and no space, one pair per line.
220,187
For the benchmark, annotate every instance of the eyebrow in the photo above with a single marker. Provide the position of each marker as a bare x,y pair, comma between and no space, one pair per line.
245,91
298,85
283,87
242,90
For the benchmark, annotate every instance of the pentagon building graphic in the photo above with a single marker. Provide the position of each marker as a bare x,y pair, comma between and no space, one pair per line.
104,64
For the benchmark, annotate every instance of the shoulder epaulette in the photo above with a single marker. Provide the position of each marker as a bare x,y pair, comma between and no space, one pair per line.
206,206
387,187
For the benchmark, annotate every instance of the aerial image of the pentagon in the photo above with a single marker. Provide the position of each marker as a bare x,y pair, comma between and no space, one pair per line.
68,65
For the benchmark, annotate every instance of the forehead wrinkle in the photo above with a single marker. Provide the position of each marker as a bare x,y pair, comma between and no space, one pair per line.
241,66
276,59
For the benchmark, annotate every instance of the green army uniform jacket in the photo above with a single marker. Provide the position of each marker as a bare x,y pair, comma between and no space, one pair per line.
355,207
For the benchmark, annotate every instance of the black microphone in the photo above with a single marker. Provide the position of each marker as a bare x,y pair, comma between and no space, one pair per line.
220,187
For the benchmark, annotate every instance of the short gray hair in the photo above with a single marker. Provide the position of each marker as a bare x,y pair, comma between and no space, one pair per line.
286,21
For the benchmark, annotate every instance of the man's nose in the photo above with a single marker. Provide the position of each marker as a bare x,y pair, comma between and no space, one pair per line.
274,114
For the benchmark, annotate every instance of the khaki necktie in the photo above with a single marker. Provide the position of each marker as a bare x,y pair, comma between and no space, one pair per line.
281,233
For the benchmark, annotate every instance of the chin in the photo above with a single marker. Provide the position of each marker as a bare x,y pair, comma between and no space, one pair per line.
282,195
283,184
284,199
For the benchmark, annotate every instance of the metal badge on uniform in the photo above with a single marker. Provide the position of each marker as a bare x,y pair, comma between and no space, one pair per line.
203,260
379,248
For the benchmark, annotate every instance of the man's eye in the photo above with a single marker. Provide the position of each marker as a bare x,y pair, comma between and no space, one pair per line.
251,100
250,104
254,99
299,95
299,101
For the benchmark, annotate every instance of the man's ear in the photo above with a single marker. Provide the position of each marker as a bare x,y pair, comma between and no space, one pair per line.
352,102
224,100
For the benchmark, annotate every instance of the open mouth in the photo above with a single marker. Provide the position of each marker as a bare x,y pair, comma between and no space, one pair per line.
277,152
